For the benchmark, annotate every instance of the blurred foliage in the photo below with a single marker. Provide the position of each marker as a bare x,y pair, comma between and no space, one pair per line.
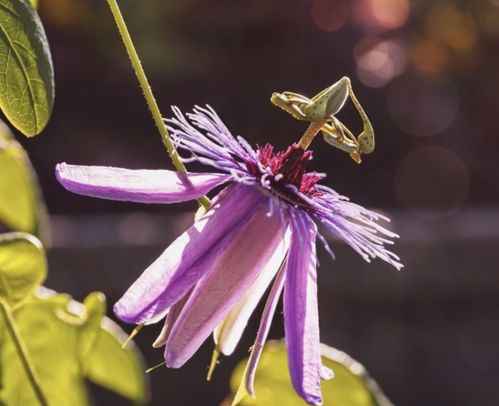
127,377
66,341
22,265
21,204
27,85
350,386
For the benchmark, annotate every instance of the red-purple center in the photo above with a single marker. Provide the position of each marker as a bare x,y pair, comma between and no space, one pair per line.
287,167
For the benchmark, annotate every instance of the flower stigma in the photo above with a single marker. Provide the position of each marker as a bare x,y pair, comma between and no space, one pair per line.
283,173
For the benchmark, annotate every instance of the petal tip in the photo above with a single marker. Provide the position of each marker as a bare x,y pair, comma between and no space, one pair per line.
158,343
171,359
121,313
312,396
60,168
315,400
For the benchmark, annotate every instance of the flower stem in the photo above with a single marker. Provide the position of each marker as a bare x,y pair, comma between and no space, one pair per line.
146,89
310,133
23,353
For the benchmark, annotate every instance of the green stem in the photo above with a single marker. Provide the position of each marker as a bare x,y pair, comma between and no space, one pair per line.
23,353
146,89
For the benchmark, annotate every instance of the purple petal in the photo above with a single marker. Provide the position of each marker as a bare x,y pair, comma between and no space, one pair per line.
190,256
263,328
301,318
229,331
170,320
355,225
217,293
142,185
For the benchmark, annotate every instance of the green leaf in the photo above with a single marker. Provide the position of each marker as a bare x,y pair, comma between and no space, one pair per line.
22,266
350,386
69,341
95,310
52,344
104,360
127,377
21,204
26,72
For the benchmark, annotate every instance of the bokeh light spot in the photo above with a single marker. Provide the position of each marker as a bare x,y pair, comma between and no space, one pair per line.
446,23
432,181
330,15
378,62
422,105
429,57
66,13
382,14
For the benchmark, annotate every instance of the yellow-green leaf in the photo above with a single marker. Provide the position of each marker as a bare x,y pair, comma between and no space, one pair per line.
21,205
127,376
94,310
69,342
52,344
350,386
26,72
22,266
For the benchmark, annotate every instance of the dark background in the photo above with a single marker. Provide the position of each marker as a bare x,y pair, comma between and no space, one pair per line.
427,74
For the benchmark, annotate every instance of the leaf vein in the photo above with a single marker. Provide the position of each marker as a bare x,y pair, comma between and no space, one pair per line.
13,51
